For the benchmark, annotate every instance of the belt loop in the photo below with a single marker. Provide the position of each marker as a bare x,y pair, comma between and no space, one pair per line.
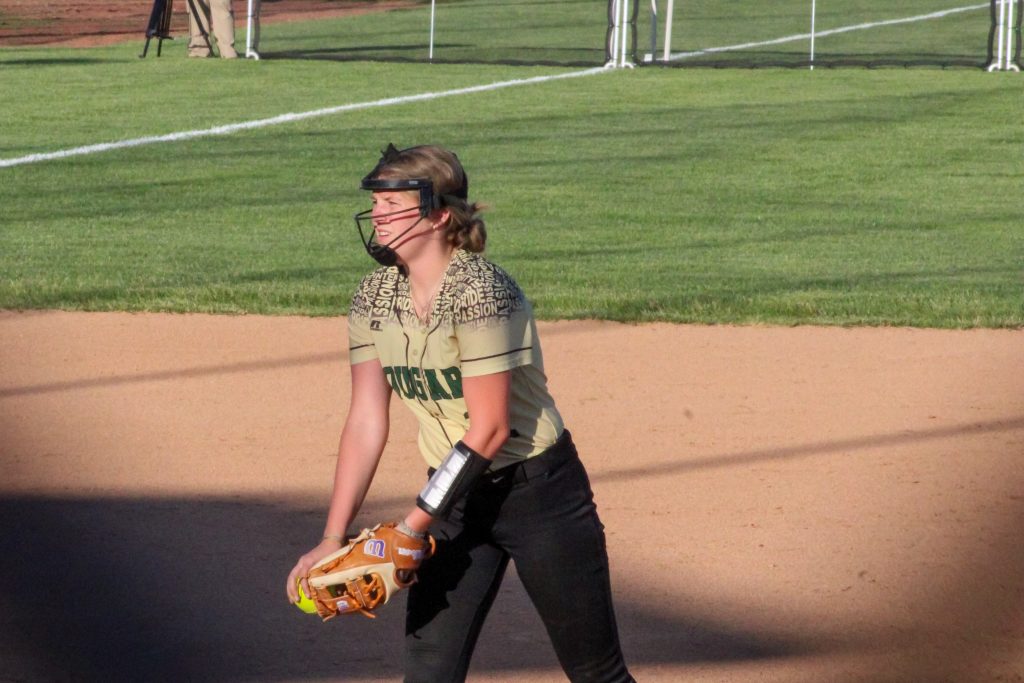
561,451
520,476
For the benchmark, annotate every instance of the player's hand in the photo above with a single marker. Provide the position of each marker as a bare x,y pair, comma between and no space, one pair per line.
365,574
305,563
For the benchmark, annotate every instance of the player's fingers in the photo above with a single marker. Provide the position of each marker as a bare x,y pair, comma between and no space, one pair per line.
290,587
299,571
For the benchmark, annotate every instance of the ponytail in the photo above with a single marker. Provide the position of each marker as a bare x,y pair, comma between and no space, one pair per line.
465,228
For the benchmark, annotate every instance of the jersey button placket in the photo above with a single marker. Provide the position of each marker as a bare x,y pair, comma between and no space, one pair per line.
417,350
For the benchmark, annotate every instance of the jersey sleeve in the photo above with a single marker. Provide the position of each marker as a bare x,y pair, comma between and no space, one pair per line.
494,327
360,341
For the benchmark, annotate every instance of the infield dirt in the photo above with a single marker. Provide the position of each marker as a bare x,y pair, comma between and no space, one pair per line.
782,504
83,23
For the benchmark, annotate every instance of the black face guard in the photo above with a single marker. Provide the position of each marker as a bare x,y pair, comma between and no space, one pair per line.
383,253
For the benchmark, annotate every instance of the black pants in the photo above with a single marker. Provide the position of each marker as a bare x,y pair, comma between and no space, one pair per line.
541,515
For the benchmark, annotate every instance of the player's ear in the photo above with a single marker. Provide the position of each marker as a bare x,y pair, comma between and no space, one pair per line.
440,218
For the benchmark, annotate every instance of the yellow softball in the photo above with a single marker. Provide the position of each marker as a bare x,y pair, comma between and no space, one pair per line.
305,604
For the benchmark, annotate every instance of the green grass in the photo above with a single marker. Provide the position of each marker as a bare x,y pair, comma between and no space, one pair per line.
485,31
837,197
954,39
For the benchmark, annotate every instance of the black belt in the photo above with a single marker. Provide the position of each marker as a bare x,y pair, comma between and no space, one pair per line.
551,458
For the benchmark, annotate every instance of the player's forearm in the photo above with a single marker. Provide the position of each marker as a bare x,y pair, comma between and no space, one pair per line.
487,400
359,452
487,438
418,520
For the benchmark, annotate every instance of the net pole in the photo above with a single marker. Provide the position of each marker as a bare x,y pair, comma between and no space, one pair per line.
619,28
654,29
612,38
668,30
1010,65
624,6
999,40
430,50
814,19
1009,33
249,51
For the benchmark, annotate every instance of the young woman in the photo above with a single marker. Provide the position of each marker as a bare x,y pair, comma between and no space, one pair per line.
454,337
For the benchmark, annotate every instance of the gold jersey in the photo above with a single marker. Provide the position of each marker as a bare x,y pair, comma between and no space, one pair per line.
480,323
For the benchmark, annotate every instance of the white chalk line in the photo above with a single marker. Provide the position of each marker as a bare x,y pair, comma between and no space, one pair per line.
830,32
289,118
285,118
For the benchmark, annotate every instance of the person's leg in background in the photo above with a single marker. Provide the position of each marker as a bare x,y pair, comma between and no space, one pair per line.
197,44
224,27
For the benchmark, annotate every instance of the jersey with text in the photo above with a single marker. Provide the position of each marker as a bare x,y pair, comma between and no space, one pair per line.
480,323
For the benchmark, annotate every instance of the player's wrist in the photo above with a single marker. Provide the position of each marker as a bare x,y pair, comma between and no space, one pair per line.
404,528
333,537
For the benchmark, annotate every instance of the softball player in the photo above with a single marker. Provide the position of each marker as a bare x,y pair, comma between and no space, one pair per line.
453,336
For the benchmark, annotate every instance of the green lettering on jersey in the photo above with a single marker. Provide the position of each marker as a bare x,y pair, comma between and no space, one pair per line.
417,384
454,378
424,384
437,391
389,374
404,377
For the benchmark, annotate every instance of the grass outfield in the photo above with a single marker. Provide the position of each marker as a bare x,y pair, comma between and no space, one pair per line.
849,197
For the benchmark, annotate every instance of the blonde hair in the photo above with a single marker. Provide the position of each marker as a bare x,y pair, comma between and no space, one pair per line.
464,228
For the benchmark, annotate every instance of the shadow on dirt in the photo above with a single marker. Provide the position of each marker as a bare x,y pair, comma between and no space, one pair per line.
185,589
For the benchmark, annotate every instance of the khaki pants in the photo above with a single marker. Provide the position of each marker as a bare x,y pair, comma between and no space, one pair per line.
218,19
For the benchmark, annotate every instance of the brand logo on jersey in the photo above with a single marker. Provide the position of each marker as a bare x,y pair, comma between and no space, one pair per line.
374,547
427,384
375,325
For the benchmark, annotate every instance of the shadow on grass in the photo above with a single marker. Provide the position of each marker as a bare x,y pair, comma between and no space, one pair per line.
56,61
799,59
464,53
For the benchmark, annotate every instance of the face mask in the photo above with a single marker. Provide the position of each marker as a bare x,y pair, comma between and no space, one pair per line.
382,253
